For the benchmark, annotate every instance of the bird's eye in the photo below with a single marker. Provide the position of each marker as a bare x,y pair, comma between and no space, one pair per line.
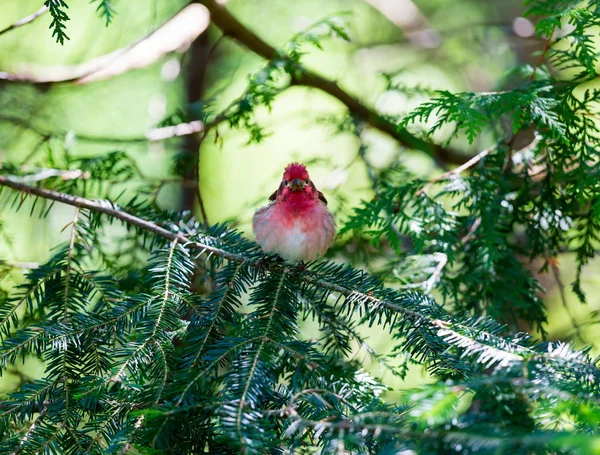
306,182
285,182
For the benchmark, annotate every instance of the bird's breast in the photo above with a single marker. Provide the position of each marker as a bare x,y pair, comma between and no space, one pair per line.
295,234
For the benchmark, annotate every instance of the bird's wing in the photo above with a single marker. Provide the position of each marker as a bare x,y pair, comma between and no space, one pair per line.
322,197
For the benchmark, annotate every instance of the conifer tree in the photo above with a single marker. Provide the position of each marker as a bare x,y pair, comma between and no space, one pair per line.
167,336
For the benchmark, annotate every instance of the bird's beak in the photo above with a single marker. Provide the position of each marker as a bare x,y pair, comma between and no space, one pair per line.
296,185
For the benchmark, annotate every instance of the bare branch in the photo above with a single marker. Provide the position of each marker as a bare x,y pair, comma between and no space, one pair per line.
26,20
176,33
43,174
457,170
153,135
168,132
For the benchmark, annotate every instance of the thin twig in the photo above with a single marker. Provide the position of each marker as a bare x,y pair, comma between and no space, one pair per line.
540,60
168,132
26,20
43,174
470,235
70,253
20,264
152,135
457,170
32,428
553,262
437,273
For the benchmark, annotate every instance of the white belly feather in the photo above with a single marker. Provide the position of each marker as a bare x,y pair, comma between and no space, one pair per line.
300,241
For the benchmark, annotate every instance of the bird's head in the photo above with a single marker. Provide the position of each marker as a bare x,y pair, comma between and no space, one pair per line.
295,178
296,187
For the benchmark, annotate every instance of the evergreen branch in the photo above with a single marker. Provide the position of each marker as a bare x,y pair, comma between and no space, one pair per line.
208,330
31,401
70,253
99,432
167,289
170,281
213,364
475,439
230,26
452,331
109,209
241,403
31,429
105,9
107,322
11,314
163,357
117,377
26,20
5,355
59,18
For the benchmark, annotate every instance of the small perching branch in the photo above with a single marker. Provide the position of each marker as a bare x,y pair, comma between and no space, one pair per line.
230,26
108,208
95,206
540,61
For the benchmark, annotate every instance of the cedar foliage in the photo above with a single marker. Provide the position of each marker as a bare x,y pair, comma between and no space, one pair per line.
188,342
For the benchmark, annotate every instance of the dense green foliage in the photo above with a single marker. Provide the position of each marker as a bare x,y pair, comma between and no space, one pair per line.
162,336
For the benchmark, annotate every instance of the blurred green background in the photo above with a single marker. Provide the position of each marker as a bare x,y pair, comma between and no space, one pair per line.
434,44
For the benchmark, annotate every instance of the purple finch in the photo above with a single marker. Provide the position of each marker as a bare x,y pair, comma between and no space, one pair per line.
297,225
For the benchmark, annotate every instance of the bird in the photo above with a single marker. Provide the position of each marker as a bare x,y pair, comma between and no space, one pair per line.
296,224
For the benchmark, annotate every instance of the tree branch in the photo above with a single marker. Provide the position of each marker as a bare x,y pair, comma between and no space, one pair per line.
230,26
512,351
177,32
457,170
152,135
26,20
112,210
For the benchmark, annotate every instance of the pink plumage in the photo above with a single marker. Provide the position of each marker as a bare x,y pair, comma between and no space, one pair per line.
297,225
